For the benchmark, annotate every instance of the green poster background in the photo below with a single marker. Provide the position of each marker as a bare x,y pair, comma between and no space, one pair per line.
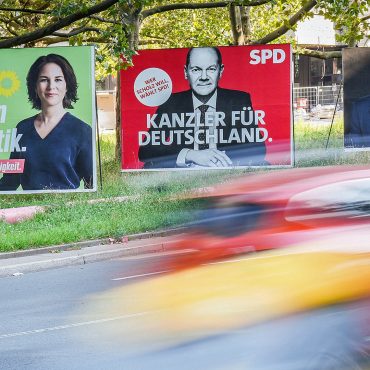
14,66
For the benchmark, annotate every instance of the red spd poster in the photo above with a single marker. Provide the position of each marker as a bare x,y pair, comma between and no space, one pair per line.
208,107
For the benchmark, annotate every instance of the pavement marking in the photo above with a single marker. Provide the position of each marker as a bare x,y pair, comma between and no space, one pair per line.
141,275
157,255
226,261
61,327
165,271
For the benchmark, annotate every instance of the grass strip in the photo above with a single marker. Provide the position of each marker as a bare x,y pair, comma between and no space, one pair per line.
152,202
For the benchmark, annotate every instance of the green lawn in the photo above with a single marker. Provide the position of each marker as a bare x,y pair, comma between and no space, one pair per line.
314,146
150,204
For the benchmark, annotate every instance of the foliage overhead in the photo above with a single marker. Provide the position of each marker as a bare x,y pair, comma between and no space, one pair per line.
119,27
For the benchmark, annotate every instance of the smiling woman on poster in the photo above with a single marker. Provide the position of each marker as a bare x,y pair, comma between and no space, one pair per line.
56,146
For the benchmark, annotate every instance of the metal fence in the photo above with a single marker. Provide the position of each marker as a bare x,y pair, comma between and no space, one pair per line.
317,101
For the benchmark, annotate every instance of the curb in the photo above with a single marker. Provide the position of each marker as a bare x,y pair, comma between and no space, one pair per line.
20,262
91,243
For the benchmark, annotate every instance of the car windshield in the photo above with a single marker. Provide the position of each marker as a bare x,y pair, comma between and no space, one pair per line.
342,199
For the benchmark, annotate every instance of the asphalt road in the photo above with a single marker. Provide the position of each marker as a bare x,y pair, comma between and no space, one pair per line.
46,324
38,327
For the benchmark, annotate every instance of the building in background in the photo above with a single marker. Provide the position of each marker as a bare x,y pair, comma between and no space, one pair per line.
106,103
317,89
317,33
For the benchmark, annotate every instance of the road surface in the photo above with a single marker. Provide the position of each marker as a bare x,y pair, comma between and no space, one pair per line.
46,324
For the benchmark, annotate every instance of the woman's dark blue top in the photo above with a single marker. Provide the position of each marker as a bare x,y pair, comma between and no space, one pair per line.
59,161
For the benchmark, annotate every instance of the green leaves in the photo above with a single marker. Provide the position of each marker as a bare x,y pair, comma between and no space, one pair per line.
62,8
347,16
118,30
185,28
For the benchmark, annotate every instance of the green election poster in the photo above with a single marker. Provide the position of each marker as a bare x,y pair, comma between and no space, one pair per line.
47,120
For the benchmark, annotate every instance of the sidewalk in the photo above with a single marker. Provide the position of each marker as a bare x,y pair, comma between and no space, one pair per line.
18,263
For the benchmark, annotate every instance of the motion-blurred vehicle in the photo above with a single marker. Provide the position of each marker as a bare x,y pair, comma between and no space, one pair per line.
278,209
288,309
274,274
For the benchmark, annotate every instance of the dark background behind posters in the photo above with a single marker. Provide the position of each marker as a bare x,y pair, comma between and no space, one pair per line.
356,79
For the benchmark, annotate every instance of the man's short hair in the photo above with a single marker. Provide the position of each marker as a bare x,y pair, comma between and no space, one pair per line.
217,50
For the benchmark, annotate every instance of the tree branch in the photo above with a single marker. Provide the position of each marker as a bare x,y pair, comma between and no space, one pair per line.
24,10
318,54
156,38
291,22
10,29
50,40
45,12
76,32
63,22
103,20
215,4
149,42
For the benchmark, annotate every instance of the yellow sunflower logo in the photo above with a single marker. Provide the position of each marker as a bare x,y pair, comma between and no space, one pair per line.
9,83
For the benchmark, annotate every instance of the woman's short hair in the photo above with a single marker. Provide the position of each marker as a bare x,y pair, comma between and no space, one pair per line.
69,76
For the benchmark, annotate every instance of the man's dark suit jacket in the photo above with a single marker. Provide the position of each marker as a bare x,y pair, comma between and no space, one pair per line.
241,154
359,130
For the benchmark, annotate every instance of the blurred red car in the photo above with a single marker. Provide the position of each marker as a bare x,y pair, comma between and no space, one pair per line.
277,209
304,306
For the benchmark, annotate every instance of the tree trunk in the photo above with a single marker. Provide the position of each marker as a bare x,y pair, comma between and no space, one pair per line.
240,24
236,25
246,23
133,37
118,119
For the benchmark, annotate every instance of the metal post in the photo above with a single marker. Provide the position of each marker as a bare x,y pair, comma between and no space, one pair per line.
335,110
98,134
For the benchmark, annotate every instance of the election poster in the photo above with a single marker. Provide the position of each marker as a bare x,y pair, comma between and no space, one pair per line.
356,98
47,120
207,108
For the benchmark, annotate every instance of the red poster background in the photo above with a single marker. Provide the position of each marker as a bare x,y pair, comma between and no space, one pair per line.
269,85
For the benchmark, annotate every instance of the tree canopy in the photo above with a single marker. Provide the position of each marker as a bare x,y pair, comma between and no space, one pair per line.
119,27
